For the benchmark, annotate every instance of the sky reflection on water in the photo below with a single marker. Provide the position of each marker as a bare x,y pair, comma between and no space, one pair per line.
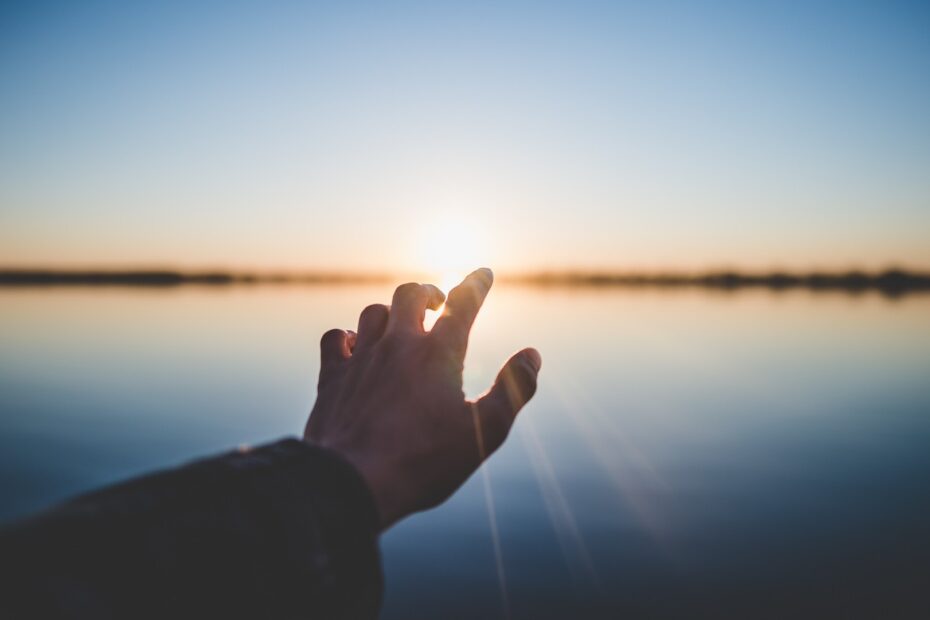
687,451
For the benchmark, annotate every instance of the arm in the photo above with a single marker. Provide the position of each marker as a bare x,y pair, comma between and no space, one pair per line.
289,529
284,530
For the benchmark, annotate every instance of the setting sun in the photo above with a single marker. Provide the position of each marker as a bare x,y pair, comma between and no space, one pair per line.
449,248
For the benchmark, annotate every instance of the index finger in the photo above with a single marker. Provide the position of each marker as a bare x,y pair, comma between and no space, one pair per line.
462,307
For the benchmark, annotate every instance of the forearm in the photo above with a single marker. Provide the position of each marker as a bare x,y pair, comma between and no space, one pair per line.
284,530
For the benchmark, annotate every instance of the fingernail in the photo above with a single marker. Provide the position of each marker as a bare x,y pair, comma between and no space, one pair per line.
534,358
486,273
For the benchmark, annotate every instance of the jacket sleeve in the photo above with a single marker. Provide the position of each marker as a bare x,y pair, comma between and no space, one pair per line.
287,530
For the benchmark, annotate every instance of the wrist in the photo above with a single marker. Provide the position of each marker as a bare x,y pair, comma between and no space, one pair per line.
385,500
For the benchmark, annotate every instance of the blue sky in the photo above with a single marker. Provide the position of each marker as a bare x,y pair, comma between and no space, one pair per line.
520,135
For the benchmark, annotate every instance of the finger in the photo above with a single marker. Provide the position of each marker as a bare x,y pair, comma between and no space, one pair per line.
513,388
371,324
461,309
334,347
408,309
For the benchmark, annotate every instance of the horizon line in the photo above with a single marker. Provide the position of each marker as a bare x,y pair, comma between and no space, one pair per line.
891,281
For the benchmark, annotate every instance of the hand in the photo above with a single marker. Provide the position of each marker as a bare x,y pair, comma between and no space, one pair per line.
390,398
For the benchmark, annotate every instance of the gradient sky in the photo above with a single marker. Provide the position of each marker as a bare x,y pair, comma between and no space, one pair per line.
520,135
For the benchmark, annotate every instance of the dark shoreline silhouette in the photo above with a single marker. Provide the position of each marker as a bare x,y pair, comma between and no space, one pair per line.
168,278
892,282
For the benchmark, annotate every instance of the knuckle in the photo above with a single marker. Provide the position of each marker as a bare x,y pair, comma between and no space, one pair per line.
409,289
331,336
435,295
377,308
374,310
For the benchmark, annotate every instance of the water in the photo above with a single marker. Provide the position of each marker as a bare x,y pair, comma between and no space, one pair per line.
688,453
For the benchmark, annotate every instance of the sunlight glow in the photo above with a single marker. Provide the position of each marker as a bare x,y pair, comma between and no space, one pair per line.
449,248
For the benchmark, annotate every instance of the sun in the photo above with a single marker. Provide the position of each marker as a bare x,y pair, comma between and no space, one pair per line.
449,248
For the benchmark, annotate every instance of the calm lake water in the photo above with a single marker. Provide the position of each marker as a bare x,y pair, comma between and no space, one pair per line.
688,452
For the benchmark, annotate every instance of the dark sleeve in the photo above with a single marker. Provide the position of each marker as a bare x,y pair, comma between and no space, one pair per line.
286,530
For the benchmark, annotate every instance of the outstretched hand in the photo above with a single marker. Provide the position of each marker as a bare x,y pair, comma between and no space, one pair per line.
390,397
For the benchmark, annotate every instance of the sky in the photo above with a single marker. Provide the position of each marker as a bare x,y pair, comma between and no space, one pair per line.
519,135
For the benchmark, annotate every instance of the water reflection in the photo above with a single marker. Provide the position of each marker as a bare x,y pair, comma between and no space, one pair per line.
687,451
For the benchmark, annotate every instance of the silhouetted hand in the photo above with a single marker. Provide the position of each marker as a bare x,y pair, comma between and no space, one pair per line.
390,398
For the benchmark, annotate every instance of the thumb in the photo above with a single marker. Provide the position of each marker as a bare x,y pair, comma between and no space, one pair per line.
513,388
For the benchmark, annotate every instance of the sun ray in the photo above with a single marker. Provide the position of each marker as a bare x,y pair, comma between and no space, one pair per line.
560,512
622,477
492,515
